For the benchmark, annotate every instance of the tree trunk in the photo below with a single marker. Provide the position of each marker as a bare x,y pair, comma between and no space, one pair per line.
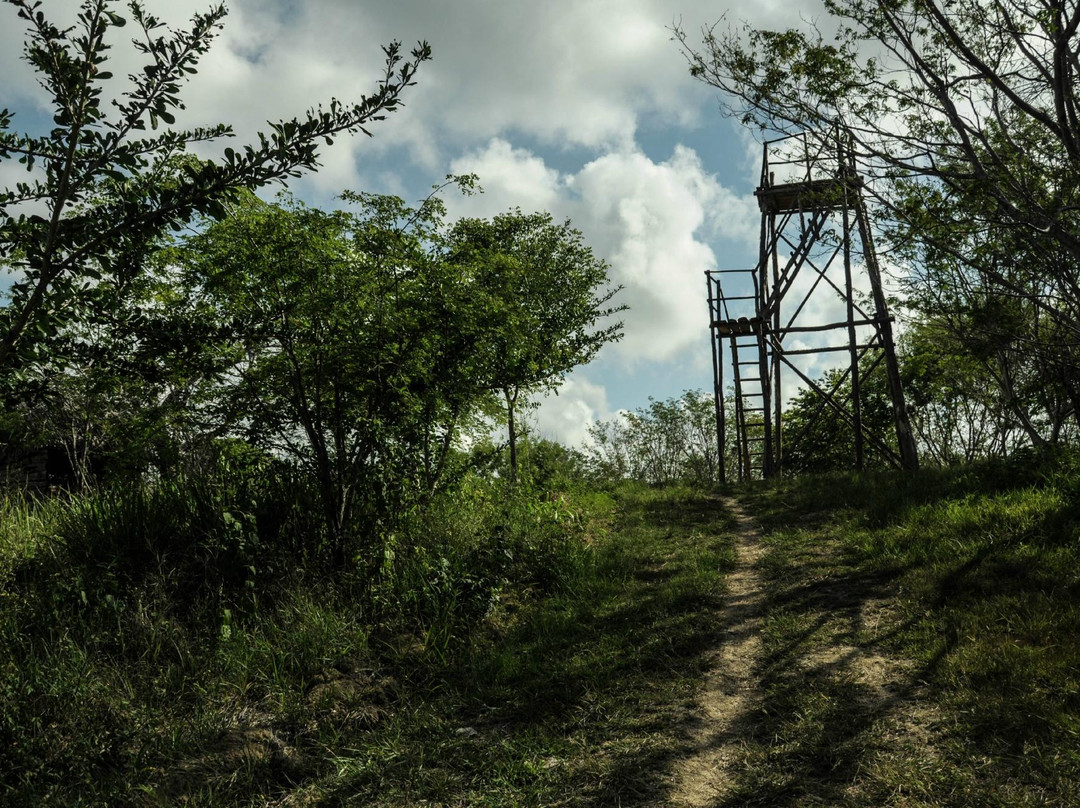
511,400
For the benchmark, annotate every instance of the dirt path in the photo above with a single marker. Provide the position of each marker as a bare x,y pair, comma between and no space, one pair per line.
731,694
868,715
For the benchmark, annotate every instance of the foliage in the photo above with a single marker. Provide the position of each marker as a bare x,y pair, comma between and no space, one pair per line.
367,344
178,611
817,438
545,299
668,442
975,391
124,393
106,182
1011,322
331,344
496,613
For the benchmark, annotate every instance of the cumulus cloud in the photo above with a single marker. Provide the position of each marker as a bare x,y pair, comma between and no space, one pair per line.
652,219
653,222
511,177
566,416
564,73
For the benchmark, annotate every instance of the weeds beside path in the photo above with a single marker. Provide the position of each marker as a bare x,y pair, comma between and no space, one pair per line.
834,641
919,643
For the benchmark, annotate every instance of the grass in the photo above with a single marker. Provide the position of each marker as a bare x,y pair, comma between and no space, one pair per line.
573,699
919,648
921,640
527,651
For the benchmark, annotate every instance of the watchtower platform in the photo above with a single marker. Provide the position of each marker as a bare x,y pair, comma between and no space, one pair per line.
803,300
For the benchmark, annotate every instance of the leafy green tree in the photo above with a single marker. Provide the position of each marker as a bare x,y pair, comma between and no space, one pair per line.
124,390
105,182
339,353
1007,306
545,303
986,377
957,410
668,441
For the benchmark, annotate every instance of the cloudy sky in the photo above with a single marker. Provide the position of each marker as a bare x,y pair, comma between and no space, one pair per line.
583,108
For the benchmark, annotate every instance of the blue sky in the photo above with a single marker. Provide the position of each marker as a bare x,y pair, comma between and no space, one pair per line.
584,108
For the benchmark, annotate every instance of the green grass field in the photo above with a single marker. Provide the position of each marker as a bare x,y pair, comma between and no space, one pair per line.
919,648
922,640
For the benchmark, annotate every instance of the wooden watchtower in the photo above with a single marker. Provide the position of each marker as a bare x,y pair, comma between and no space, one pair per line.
777,322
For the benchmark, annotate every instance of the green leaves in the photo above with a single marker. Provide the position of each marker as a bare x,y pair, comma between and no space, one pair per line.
105,188
544,296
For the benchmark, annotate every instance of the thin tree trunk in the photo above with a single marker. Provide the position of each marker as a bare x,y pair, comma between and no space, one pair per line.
511,400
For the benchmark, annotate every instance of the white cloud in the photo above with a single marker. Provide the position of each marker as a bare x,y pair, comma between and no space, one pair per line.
566,416
562,73
510,177
649,220
565,72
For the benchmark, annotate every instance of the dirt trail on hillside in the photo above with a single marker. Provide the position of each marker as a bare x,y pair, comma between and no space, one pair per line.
884,703
732,694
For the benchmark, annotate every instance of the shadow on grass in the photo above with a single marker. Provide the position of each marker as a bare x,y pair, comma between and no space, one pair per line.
946,673
825,693
582,696
589,697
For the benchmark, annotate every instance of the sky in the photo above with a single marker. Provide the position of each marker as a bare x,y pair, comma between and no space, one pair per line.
583,108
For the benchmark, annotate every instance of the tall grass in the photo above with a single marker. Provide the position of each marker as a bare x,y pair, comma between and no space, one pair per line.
145,630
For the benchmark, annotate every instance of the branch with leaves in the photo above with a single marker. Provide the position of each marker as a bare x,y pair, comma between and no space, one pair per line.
111,178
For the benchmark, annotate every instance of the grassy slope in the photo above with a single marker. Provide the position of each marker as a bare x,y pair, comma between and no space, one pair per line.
570,691
576,699
920,649
922,640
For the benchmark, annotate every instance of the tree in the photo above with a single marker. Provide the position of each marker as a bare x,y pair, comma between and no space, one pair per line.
986,376
817,438
108,180
343,345
1020,341
971,102
123,390
958,411
545,303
